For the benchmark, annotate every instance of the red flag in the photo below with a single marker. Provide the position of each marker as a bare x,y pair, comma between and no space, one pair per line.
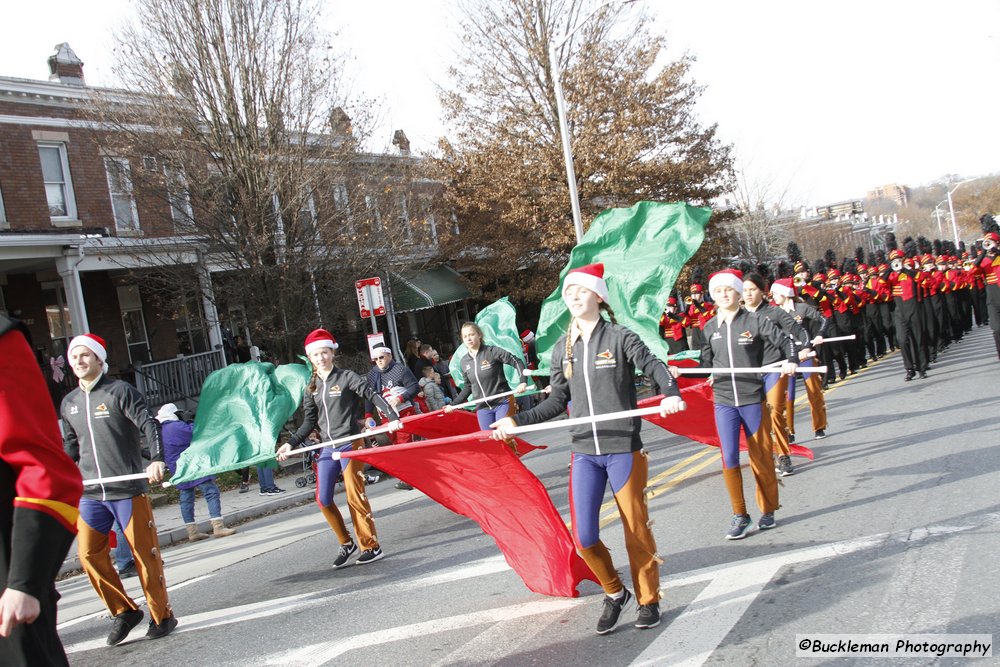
481,478
441,424
698,421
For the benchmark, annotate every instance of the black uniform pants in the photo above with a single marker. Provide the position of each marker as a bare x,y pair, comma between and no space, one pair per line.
910,336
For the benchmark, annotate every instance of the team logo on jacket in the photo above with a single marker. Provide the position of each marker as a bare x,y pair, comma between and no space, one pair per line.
484,364
746,338
717,335
334,390
605,359
74,409
102,411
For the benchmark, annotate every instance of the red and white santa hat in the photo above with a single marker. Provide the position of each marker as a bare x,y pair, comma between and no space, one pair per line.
784,287
726,278
590,277
318,339
527,336
380,351
95,344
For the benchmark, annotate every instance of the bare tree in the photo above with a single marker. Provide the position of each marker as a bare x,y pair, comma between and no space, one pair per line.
236,131
756,236
633,132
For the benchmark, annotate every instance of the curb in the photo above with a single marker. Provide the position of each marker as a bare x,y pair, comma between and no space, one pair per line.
178,535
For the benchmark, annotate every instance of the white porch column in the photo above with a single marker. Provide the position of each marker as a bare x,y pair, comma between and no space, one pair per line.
70,274
208,304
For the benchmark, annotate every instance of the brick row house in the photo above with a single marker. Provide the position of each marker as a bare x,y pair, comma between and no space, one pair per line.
73,232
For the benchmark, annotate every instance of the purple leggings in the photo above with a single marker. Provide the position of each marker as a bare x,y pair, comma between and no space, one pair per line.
327,471
589,478
487,416
728,421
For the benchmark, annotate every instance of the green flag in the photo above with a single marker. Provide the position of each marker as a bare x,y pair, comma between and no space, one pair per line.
499,324
643,249
240,415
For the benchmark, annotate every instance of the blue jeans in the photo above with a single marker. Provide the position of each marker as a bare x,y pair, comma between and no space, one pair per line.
123,552
265,477
211,492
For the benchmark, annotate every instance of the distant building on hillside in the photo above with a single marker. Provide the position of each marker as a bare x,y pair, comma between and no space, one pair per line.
892,192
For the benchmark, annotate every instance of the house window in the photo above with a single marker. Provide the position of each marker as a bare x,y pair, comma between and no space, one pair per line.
374,214
307,215
191,337
58,317
340,203
3,212
134,324
122,201
179,196
58,185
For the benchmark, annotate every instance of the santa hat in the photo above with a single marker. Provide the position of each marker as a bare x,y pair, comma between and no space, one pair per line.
527,336
726,278
167,413
784,287
591,277
93,343
696,288
318,339
379,351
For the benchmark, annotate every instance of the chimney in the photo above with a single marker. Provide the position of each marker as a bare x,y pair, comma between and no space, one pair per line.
400,141
65,67
340,123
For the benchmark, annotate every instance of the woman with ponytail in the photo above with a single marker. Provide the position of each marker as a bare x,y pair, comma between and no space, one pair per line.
594,366
332,399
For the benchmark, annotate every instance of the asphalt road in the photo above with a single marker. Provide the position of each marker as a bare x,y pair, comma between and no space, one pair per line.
893,528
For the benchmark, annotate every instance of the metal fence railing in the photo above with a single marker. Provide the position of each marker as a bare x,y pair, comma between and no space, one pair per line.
177,379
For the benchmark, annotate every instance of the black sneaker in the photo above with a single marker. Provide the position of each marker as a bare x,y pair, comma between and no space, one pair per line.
649,616
820,434
244,487
738,528
346,551
157,630
264,491
373,478
766,521
612,610
923,375
909,376
124,622
128,571
403,486
370,556
275,491
785,466
791,438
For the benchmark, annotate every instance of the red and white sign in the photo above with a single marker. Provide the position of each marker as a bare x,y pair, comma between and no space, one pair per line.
370,300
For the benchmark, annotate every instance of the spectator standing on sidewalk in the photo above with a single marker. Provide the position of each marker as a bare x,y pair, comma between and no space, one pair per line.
103,419
177,436
39,494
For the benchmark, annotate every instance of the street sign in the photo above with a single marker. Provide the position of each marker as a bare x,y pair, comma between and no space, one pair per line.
370,299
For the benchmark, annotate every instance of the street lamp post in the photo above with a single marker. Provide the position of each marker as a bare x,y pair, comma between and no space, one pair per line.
574,197
951,208
937,214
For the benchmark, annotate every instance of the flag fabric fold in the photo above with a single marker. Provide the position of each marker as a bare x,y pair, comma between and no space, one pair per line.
697,422
241,411
482,479
643,249
441,424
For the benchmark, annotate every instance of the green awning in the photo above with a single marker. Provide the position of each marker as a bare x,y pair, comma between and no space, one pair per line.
416,290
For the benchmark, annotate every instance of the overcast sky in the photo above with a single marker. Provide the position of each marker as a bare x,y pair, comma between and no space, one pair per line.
827,100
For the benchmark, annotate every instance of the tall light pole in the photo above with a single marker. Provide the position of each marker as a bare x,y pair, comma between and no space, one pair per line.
951,208
937,214
574,197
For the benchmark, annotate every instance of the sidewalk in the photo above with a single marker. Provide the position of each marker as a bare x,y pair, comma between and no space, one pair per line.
236,508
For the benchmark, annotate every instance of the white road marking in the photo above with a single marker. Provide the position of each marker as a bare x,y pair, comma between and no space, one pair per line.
324,652
139,601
